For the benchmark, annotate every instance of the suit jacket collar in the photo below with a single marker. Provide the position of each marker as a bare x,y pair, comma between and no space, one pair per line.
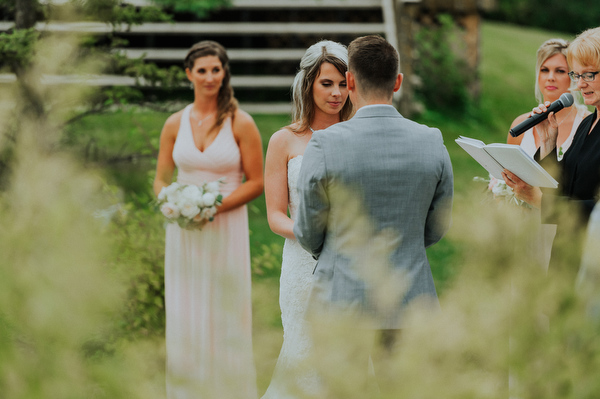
377,110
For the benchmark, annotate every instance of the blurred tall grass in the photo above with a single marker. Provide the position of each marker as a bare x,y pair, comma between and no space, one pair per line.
61,293
80,296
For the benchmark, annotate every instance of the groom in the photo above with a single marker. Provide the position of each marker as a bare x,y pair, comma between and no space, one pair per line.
375,191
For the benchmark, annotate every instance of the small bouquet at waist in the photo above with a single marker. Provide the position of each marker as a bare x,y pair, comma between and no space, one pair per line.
500,190
190,206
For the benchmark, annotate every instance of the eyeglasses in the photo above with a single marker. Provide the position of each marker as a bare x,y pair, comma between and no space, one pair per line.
586,76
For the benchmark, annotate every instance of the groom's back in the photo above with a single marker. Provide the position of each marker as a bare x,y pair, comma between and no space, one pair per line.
393,164
388,183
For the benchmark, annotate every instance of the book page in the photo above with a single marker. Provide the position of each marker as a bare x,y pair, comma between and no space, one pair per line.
515,159
475,149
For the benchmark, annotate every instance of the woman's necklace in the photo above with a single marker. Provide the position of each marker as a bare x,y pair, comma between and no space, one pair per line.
563,119
201,120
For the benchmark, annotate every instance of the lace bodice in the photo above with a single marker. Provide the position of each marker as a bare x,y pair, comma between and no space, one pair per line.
294,165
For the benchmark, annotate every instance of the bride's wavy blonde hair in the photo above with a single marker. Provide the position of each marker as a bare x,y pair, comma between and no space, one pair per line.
303,110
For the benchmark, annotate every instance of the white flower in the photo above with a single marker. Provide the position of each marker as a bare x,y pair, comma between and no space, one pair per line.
208,199
191,193
501,189
173,196
213,187
189,210
187,196
171,211
183,203
208,213
162,196
168,191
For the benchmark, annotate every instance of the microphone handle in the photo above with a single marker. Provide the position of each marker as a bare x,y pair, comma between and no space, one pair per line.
535,119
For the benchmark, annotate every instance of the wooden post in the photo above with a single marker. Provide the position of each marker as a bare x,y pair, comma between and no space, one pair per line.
406,14
471,23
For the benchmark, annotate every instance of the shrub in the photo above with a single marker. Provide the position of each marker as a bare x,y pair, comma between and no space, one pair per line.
444,77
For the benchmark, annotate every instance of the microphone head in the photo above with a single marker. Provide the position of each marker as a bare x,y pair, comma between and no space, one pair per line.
566,99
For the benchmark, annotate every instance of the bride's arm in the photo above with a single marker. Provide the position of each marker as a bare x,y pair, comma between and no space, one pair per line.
276,185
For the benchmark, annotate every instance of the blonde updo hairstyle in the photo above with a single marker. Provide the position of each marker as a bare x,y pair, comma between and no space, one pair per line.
303,110
548,49
226,102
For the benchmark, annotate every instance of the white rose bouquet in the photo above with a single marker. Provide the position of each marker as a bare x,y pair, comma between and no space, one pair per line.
188,205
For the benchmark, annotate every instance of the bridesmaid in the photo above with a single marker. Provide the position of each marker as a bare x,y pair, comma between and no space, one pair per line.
207,271
319,100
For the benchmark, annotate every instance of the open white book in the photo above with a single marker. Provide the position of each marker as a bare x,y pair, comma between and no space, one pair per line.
498,156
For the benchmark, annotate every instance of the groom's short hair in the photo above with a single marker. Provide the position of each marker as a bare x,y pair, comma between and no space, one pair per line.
374,63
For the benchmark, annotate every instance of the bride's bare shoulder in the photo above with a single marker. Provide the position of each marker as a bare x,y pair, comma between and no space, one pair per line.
285,135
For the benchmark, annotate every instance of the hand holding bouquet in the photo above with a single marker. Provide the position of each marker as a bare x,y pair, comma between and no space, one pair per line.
500,190
188,205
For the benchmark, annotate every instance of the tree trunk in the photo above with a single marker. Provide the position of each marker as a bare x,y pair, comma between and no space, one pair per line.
25,13
32,101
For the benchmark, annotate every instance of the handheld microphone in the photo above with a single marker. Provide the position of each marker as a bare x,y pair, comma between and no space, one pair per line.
565,100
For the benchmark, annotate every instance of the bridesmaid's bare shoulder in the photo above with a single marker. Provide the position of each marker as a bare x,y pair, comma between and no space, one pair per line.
517,140
171,126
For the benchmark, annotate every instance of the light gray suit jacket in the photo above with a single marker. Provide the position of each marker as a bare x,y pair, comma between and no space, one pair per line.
375,191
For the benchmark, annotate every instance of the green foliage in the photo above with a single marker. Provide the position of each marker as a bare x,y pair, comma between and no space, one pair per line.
266,261
17,48
200,8
131,15
444,77
115,12
7,6
565,16
120,95
149,74
138,255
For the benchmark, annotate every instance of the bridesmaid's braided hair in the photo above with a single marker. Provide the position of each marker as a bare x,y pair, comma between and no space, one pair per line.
226,102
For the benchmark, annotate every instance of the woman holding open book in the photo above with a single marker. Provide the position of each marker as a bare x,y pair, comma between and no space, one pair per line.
579,168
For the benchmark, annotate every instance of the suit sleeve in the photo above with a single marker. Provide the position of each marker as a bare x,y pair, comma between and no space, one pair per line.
440,210
313,210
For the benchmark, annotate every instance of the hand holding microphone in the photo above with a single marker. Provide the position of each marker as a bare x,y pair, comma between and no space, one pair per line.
565,100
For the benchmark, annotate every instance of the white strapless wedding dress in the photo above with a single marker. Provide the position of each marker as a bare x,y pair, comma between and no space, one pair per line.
293,377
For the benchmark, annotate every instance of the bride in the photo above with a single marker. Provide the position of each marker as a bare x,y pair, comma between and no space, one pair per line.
319,100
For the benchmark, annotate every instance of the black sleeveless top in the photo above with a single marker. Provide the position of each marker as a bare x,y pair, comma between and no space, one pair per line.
579,170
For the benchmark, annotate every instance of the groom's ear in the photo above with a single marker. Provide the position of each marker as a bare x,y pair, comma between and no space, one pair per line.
350,81
398,82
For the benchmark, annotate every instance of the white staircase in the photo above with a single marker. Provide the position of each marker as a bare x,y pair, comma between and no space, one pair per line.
265,40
